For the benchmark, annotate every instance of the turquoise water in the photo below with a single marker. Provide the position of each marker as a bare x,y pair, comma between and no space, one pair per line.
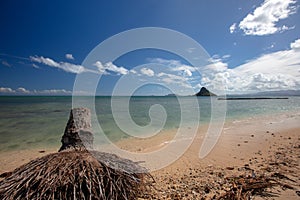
39,122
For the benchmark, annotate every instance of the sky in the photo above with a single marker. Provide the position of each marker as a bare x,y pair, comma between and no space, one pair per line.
252,45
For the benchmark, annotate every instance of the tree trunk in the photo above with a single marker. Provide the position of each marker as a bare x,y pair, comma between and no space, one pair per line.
78,132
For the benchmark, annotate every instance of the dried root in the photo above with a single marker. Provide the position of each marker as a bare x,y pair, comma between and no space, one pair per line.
75,175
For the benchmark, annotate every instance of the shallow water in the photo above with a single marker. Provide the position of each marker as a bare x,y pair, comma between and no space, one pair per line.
39,122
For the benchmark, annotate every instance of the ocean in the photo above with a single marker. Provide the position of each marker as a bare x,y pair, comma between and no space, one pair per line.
39,121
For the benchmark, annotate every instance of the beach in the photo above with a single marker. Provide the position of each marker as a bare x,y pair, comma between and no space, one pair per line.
264,146
261,145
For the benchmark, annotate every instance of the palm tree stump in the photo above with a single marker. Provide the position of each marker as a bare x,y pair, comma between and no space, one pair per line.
78,132
76,173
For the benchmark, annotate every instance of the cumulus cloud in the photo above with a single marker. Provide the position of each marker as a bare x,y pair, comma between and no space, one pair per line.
274,71
188,72
185,69
69,56
119,70
23,91
133,71
174,79
147,72
171,63
264,19
67,67
72,68
45,61
110,67
105,68
6,90
175,65
295,45
171,76
232,28
53,92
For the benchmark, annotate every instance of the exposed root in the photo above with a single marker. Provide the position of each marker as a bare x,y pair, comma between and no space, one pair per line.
75,175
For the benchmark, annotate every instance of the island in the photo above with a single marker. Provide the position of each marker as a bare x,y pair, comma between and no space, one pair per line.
205,92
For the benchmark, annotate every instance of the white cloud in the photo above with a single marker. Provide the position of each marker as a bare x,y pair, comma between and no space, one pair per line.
171,76
295,45
184,69
176,65
69,56
6,90
191,49
188,72
232,28
53,92
101,67
133,71
5,63
23,91
171,63
105,68
147,72
77,69
264,19
68,67
226,56
35,66
274,71
218,59
45,61
174,79
72,68
119,70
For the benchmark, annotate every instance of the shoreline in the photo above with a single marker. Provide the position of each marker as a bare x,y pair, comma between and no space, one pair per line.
253,142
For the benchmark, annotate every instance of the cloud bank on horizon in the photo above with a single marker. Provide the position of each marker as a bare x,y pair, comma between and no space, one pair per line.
274,71
23,91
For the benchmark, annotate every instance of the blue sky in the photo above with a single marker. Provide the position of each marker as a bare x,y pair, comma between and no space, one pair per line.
254,45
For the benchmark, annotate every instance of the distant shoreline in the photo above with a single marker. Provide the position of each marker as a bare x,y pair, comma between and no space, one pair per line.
251,98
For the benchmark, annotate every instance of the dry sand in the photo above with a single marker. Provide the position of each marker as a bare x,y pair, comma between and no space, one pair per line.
250,147
261,146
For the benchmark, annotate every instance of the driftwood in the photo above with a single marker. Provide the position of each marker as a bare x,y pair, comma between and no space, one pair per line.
243,188
75,172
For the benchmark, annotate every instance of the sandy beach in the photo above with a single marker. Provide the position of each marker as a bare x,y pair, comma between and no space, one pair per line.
265,145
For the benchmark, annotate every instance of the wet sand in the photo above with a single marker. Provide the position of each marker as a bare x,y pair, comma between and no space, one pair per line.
262,145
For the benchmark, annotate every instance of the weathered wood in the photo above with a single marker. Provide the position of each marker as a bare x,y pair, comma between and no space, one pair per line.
78,132
75,173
